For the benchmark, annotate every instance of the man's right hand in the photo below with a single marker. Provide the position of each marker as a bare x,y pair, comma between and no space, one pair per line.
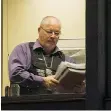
49,81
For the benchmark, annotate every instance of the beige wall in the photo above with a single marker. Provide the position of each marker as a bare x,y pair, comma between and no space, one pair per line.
4,77
22,18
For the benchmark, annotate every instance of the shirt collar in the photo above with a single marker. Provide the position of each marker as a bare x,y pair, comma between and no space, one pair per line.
38,46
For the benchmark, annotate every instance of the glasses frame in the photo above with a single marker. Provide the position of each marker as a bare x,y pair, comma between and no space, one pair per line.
51,32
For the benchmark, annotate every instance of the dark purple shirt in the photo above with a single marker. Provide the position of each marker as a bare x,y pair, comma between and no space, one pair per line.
20,62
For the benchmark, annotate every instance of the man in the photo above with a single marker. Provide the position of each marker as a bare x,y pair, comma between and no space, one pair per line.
33,65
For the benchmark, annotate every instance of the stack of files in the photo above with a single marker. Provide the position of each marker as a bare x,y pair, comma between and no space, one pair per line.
70,75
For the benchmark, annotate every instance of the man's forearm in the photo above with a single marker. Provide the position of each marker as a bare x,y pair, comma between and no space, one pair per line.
25,78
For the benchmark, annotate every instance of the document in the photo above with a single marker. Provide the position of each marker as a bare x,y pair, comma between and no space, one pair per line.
70,75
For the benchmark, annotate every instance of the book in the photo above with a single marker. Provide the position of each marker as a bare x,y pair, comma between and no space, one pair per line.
70,75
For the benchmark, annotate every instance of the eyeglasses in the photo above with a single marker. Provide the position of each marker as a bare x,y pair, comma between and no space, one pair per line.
50,32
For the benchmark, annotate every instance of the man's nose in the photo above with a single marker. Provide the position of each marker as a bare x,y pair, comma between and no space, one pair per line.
53,35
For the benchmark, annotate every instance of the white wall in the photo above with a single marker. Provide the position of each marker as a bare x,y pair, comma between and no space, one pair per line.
22,18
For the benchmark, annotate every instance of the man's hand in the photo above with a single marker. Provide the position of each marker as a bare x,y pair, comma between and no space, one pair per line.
49,81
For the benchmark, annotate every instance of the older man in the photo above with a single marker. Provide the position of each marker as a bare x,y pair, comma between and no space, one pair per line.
32,65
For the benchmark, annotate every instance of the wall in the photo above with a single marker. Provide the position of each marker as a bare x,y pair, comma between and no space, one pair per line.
24,17
4,76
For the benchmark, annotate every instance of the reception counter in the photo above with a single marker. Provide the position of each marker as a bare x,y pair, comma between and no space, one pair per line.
44,102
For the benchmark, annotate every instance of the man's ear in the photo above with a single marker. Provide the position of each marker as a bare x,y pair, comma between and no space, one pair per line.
39,29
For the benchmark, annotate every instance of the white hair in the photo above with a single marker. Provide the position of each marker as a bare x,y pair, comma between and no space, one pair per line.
49,20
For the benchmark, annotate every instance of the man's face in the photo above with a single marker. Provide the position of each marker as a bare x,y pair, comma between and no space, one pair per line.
49,35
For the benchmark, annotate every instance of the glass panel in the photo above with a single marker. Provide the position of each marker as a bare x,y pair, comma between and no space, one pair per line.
21,20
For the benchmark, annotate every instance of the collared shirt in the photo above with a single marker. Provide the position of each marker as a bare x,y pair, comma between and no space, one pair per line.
20,62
